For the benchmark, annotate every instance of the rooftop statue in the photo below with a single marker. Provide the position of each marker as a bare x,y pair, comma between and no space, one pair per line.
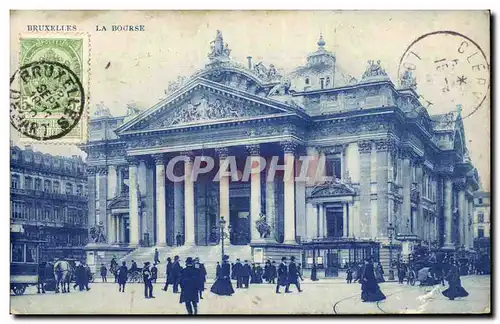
374,70
408,81
218,48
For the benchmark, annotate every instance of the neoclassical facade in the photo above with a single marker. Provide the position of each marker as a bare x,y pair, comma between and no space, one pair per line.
392,165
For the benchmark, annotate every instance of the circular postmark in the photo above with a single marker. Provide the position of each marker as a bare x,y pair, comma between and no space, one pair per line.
451,72
46,100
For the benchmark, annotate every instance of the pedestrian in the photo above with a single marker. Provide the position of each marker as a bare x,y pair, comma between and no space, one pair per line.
237,273
293,275
222,285
104,273
274,273
267,271
178,239
79,276
202,275
217,270
168,274
349,275
314,273
379,272
176,274
370,291
401,272
154,273
282,275
146,277
87,277
157,256
189,281
133,267
122,277
258,274
455,288
245,274
41,278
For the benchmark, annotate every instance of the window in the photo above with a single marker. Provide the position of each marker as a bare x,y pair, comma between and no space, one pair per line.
38,184
69,188
56,187
333,168
28,182
480,218
79,190
14,181
480,232
47,186
19,210
327,82
480,200
31,256
307,81
17,252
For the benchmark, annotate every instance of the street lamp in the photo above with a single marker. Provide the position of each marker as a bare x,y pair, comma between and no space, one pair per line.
222,232
390,232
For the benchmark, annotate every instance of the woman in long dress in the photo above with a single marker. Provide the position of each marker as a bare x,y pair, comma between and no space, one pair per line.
222,285
455,288
370,291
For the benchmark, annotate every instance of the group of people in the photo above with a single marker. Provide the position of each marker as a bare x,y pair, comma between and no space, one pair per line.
354,272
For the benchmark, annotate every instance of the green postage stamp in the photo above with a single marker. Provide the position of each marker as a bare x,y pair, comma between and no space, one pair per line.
49,91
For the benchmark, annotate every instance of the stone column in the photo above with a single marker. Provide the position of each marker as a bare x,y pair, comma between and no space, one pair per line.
345,220
133,196
161,215
112,182
421,224
462,210
255,193
103,201
406,177
320,221
122,229
383,147
271,206
448,217
351,227
91,188
224,210
112,231
289,191
189,230
365,149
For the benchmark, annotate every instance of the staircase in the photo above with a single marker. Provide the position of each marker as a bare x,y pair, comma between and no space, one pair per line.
209,255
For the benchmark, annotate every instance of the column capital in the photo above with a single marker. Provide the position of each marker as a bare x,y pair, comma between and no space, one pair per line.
102,170
159,158
407,152
289,146
222,152
188,155
364,146
385,144
91,170
253,149
460,183
419,161
132,161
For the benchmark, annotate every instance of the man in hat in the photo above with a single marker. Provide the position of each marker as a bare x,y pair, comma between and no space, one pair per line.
203,275
157,257
168,274
189,280
282,275
148,285
237,273
246,271
104,273
154,273
293,275
176,273
273,273
178,239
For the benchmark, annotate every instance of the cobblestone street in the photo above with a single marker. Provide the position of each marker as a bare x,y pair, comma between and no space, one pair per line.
332,296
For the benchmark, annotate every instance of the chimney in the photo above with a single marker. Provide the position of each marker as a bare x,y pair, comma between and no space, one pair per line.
249,58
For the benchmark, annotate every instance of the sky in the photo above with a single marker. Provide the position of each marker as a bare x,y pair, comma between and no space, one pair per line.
176,43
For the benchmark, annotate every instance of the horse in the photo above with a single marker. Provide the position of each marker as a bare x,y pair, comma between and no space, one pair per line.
62,274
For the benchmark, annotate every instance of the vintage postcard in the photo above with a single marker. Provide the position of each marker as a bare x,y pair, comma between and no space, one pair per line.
250,162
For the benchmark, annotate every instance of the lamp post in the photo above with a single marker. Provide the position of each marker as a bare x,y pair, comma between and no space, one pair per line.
390,232
222,233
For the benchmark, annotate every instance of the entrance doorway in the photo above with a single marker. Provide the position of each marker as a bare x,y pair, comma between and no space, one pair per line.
334,222
240,220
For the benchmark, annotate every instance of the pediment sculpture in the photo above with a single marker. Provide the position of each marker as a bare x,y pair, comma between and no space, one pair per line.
332,189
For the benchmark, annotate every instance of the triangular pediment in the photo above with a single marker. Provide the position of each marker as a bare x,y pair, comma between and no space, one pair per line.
205,102
332,190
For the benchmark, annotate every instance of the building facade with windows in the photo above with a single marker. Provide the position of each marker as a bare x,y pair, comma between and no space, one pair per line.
49,200
481,215
393,167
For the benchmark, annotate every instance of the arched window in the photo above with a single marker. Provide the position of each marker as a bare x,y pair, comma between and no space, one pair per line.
307,81
327,82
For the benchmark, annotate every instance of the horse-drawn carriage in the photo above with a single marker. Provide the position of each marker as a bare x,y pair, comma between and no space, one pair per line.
24,257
